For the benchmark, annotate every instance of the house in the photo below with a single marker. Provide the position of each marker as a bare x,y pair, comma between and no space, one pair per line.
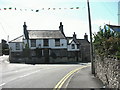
48,46
79,48
115,28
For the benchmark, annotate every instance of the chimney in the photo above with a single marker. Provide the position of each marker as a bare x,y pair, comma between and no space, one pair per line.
25,31
61,27
24,26
74,36
86,36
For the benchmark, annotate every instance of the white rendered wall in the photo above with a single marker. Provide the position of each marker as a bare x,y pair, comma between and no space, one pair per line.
12,47
39,44
70,47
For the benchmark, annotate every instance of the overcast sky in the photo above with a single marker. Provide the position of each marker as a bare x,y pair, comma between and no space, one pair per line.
74,20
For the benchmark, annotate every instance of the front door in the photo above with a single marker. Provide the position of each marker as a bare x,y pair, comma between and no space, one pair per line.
46,55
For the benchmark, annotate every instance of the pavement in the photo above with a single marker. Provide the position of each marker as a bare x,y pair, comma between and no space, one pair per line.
4,58
84,79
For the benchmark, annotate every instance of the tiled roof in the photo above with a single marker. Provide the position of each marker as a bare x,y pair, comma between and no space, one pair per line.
18,39
77,41
114,27
45,34
70,39
83,41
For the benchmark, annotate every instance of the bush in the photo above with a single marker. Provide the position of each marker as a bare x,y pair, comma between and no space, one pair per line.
107,42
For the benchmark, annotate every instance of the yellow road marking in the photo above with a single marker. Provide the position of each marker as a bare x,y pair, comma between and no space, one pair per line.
62,81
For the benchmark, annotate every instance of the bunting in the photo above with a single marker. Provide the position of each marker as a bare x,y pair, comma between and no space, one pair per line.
37,10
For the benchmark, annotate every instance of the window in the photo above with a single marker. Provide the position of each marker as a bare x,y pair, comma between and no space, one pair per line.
78,46
73,46
33,43
57,42
45,42
17,46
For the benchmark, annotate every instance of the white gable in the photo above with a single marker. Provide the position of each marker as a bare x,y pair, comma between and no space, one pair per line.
73,46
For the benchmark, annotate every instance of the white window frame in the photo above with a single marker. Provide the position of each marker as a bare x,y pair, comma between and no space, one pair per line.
73,46
17,45
44,42
33,43
57,42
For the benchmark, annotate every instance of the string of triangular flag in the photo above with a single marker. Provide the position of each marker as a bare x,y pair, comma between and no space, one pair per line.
37,10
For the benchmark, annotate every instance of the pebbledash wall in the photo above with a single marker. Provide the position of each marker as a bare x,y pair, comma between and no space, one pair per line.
54,57
108,71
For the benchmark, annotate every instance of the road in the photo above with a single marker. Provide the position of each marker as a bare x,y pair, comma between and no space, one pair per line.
34,76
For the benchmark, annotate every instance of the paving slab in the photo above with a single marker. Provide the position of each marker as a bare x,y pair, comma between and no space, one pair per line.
84,79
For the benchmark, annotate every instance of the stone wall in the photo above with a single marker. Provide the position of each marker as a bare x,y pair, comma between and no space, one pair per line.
53,56
108,71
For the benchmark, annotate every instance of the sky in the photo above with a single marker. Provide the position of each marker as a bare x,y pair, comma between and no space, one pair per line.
74,20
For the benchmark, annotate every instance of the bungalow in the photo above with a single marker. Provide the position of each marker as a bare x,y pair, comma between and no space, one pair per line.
48,46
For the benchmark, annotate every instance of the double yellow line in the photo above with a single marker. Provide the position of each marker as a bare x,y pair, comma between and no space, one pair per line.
62,81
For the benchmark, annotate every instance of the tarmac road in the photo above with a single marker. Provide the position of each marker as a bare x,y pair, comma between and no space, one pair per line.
46,75
34,76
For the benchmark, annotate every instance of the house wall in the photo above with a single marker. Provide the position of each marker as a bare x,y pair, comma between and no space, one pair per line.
85,53
63,53
63,44
107,70
12,47
70,47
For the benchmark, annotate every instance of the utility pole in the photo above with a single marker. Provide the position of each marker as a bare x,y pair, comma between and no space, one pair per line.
91,45
7,39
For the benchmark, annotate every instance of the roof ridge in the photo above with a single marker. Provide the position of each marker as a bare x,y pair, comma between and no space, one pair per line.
45,34
16,38
43,30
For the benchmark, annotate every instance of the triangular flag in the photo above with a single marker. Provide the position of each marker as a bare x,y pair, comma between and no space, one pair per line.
48,8
72,8
77,7
10,8
37,10
5,8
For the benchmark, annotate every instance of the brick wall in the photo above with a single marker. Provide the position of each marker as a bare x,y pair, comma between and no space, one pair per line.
108,71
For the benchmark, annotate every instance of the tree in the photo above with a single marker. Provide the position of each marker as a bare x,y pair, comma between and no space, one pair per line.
107,42
5,47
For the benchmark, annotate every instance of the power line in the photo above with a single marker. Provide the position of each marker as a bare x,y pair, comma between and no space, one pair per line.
3,28
109,11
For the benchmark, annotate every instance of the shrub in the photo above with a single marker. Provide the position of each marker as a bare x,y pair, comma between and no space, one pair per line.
107,42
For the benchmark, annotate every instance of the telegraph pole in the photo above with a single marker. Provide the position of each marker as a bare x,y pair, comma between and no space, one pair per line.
91,45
